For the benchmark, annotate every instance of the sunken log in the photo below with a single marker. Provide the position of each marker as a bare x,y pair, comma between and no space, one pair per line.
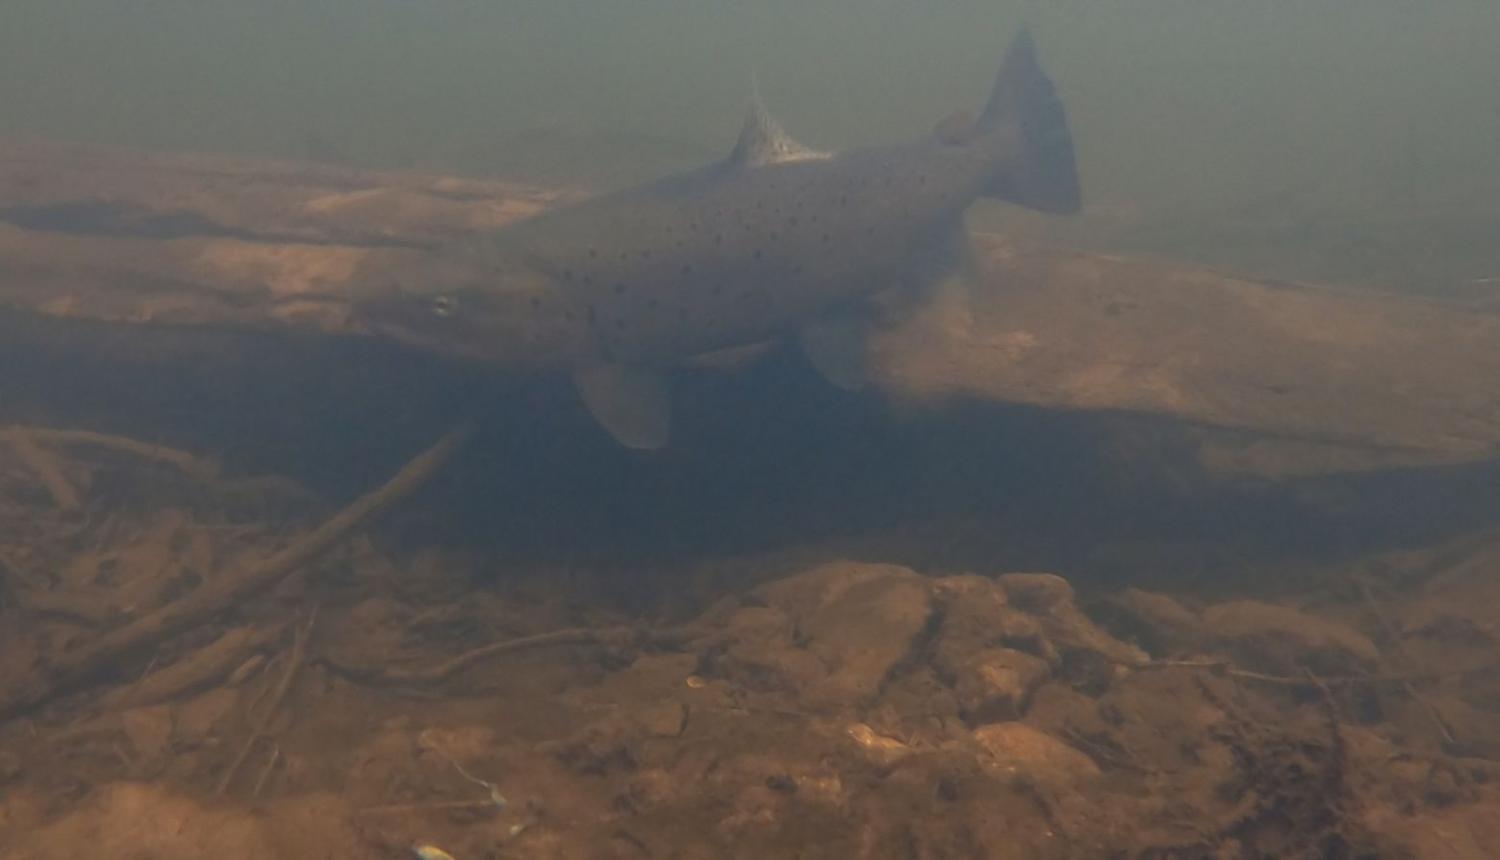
202,245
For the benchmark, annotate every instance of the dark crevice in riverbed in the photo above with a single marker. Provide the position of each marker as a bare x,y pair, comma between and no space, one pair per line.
761,460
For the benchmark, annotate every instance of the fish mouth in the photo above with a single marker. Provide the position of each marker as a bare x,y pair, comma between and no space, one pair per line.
391,321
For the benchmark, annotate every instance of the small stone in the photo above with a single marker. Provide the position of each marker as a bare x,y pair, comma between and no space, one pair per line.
882,748
1036,592
1019,749
782,783
1049,599
996,684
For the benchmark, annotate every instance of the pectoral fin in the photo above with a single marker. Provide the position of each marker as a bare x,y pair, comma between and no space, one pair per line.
630,402
836,349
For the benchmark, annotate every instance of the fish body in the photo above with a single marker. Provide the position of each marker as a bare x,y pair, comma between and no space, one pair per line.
776,239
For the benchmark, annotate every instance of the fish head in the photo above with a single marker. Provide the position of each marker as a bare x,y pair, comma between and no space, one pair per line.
468,302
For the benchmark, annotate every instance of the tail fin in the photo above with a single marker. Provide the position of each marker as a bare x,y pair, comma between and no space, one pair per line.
1023,106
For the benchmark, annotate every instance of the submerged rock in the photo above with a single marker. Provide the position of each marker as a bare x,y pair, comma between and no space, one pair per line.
996,684
1049,599
859,620
1158,622
1284,640
1020,750
976,615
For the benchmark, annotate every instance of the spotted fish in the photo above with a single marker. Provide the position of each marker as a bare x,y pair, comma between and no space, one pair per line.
776,240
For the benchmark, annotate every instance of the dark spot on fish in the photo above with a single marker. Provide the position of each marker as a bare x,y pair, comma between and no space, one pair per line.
718,289
653,304
687,270
843,200
775,235
792,221
588,280
593,317
718,238
620,323
682,314
567,274
624,255
619,287
827,238
646,255
757,255
536,303
593,253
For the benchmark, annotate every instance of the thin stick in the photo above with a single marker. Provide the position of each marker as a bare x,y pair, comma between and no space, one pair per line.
1340,751
294,663
196,670
570,636
265,772
1223,667
1429,710
191,464
445,805
105,653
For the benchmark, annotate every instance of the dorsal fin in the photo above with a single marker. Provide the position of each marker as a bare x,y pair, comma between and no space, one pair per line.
763,140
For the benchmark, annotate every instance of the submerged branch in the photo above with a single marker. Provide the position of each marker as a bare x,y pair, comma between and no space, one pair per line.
190,464
262,726
607,637
105,653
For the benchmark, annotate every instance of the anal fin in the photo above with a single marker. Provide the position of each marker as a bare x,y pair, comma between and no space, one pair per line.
631,403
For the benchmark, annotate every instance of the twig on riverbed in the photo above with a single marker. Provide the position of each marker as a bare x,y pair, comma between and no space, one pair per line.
260,732
608,637
105,653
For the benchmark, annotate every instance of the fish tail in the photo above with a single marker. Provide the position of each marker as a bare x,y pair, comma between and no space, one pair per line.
1024,120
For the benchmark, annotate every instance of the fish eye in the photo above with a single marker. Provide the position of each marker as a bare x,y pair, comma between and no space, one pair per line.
443,305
